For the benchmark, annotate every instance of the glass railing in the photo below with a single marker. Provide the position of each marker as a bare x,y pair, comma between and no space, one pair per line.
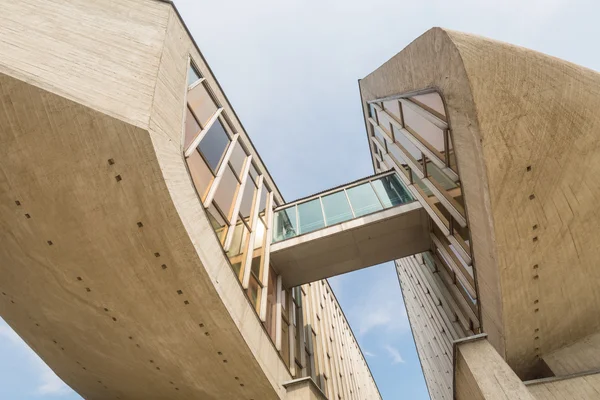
339,205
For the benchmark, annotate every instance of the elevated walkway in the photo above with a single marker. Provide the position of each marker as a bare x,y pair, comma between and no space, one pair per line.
351,227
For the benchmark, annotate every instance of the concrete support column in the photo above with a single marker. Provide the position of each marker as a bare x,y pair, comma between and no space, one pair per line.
481,374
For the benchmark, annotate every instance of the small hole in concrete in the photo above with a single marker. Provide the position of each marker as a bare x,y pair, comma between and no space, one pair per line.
201,325
535,227
151,361
171,382
84,368
139,224
27,216
157,255
106,309
114,319
87,289
535,239
186,302
62,348
536,277
225,361
37,324
176,388
17,202
164,266
536,338
528,168
537,329
219,353
50,243
207,334
237,378
241,384
137,345
12,301
158,368
3,294
536,301
536,266
537,309
130,337
55,342
79,278
118,178
531,196
111,162
179,292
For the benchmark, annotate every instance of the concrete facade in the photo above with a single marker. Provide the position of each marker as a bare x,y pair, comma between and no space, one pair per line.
112,271
522,131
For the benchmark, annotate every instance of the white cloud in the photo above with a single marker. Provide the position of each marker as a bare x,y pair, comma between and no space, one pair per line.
394,354
48,383
368,353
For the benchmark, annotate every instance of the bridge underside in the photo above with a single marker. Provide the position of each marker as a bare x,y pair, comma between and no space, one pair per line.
359,243
99,275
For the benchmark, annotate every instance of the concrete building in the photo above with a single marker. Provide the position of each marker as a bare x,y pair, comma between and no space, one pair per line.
136,219
499,144
148,254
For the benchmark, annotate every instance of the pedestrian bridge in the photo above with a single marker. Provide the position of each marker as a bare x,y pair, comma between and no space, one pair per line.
354,226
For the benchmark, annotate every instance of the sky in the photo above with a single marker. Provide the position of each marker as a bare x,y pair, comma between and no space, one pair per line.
290,69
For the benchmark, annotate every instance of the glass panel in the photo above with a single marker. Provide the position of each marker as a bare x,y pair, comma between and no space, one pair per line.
337,209
391,192
253,290
310,216
247,202
416,180
393,108
271,303
285,342
192,128
217,222
380,137
363,200
385,124
285,224
193,75
226,192
408,145
433,101
238,156
262,207
201,174
201,104
372,112
259,236
253,173
255,267
213,145
440,177
238,247
425,129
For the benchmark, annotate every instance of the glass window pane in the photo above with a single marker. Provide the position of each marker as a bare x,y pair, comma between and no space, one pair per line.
451,154
408,145
238,247
213,145
253,173
425,129
226,192
440,177
238,156
201,174
255,267
262,207
381,138
285,224
310,216
393,108
259,236
192,128
391,191
417,181
247,200
372,112
433,101
201,104
217,222
253,290
385,124
337,209
193,75
363,200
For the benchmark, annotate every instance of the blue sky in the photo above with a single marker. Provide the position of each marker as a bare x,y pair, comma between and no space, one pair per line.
290,69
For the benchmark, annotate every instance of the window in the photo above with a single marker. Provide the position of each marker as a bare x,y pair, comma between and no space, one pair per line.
336,208
193,75
285,224
431,102
393,108
201,175
226,191
271,303
363,199
202,104
247,203
391,192
214,144
310,216
239,244
217,221
237,159
192,128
